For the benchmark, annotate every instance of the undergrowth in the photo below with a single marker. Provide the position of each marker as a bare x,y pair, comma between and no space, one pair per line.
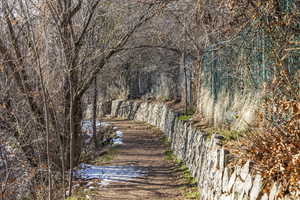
188,115
107,156
82,194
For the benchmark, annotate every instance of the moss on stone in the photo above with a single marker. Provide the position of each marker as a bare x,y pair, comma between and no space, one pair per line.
185,117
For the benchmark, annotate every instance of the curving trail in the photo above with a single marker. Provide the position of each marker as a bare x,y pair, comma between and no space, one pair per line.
143,148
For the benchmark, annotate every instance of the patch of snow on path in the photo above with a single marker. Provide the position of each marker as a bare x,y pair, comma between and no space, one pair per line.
119,139
108,174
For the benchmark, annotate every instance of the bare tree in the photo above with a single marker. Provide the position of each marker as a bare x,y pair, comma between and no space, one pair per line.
46,54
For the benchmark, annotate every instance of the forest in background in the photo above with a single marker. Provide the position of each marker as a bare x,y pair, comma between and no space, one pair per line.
235,62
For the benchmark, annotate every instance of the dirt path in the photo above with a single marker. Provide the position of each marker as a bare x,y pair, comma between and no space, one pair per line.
143,148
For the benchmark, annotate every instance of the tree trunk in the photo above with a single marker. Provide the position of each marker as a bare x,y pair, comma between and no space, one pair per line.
95,113
73,118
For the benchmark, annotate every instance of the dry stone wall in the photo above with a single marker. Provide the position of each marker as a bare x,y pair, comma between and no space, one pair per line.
206,158
103,108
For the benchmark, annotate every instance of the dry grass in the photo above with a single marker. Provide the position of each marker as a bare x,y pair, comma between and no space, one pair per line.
275,146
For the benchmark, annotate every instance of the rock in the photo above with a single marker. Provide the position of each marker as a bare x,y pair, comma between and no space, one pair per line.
248,184
238,170
2,163
231,182
239,187
88,114
115,108
220,179
225,179
256,188
216,158
225,197
217,140
223,160
245,170
265,197
274,191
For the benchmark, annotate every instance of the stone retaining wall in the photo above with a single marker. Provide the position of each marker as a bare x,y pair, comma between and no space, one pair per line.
103,108
205,156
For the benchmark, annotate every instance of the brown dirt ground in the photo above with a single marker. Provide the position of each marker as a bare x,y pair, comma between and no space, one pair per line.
143,147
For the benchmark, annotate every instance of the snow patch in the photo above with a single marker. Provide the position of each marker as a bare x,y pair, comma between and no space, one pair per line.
119,139
87,128
87,125
108,174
